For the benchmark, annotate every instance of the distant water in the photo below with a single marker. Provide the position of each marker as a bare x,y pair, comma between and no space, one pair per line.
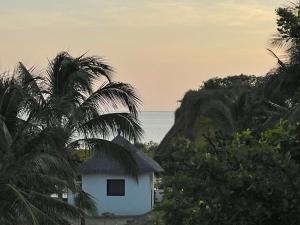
156,124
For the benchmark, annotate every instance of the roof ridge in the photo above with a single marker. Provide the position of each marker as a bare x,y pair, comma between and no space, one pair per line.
106,164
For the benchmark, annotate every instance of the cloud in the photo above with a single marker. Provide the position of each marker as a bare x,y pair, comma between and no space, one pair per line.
148,41
226,13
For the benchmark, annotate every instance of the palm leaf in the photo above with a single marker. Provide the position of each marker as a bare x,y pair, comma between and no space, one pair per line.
110,124
85,202
114,95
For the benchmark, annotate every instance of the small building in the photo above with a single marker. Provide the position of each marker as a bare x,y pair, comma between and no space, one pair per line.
115,191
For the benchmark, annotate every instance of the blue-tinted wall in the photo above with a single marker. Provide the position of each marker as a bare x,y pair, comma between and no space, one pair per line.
137,200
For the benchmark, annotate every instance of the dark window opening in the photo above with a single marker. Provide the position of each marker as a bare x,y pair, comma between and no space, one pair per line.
116,187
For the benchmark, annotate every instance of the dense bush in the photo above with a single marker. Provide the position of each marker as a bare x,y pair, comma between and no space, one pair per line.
252,180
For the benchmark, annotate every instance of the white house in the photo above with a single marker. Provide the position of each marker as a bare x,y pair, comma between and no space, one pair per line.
116,191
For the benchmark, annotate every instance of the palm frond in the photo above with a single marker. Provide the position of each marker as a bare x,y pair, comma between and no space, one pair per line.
86,202
10,103
53,206
27,205
110,124
5,137
40,116
114,95
67,74
95,66
278,59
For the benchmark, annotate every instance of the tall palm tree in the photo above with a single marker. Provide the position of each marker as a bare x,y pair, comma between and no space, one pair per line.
73,104
45,118
30,168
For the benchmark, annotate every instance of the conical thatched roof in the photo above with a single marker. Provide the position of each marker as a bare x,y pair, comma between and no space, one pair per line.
106,164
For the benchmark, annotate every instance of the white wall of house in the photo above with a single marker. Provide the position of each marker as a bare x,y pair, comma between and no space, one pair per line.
138,198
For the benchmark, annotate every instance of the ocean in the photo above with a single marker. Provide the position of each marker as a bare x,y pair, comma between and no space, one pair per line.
156,124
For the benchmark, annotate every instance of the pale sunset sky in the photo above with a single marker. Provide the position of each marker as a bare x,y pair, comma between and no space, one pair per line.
162,47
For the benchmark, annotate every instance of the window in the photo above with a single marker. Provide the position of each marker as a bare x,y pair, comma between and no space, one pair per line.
116,187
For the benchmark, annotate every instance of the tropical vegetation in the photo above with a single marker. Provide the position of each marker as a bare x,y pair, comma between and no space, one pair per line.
232,156
249,180
44,118
236,103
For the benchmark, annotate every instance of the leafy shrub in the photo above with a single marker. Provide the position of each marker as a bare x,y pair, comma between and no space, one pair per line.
249,181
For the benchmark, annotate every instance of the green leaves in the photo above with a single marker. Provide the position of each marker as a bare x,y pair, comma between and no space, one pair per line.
43,118
288,23
253,182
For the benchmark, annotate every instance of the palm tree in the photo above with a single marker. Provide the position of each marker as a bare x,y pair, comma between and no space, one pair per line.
283,82
30,168
45,118
81,98
281,85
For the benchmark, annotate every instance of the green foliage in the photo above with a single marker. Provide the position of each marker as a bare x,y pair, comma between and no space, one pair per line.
237,103
149,148
253,180
83,154
288,22
155,218
226,105
288,28
283,83
241,167
232,81
43,119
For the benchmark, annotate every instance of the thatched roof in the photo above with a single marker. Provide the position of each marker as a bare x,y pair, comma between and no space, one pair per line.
106,164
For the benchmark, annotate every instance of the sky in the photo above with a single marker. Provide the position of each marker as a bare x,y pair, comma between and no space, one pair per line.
162,47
